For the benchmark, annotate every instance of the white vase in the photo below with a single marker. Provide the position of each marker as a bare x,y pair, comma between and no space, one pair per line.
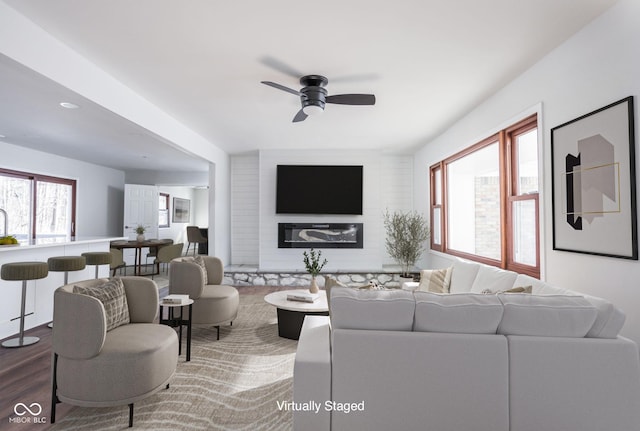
314,286
140,237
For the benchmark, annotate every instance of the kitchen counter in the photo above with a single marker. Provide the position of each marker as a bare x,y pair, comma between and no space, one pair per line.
39,298
56,241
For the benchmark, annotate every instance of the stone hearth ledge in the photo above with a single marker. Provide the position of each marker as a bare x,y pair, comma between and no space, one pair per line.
245,275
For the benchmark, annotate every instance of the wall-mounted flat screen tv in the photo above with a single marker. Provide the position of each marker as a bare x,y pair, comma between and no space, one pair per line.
319,189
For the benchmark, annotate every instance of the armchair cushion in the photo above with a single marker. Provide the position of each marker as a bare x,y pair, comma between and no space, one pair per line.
112,296
135,361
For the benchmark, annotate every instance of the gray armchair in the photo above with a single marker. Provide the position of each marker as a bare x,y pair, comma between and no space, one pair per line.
93,367
214,303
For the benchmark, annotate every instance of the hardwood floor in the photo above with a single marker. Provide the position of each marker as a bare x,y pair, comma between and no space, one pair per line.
25,377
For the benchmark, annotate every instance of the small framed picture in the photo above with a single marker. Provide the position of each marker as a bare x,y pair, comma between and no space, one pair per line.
181,211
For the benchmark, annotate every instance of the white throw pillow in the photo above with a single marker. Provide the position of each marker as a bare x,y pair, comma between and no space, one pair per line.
435,280
463,313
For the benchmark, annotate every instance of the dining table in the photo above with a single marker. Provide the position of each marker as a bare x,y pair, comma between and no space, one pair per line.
138,246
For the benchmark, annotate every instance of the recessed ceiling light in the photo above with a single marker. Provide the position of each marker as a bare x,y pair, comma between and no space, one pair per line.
69,105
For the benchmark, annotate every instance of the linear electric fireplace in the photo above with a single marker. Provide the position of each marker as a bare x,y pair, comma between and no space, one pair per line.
320,235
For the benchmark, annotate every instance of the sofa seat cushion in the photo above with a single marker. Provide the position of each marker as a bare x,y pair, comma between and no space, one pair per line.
546,315
144,353
494,279
465,313
217,301
390,310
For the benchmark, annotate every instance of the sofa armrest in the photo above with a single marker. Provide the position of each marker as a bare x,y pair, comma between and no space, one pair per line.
312,374
142,298
79,325
185,278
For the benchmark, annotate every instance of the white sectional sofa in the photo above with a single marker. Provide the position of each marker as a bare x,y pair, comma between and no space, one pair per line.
466,361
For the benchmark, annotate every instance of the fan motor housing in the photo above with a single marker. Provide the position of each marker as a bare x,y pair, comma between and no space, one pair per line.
313,95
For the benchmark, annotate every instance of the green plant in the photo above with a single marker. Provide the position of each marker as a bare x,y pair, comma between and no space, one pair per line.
312,262
140,229
406,234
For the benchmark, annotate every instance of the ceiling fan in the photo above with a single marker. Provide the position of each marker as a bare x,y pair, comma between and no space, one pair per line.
313,96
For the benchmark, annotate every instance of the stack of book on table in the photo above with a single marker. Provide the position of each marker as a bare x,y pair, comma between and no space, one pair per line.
302,296
175,299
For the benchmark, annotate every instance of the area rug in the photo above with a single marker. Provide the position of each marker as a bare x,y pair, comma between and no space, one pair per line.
231,384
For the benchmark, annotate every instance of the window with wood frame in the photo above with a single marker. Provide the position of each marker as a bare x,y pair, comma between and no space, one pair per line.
484,201
38,205
163,210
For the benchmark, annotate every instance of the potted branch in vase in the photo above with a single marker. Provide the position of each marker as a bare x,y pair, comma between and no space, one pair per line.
313,267
140,231
406,234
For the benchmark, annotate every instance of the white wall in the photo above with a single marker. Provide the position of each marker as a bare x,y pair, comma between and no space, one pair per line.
598,66
100,190
387,183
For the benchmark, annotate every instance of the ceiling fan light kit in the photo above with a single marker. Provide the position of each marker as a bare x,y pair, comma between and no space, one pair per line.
313,96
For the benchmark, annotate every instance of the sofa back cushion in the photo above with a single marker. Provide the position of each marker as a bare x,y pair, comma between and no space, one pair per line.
465,313
540,287
609,319
546,315
462,275
390,310
493,279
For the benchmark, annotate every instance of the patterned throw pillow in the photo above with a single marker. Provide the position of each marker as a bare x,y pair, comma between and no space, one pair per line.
113,298
200,261
435,280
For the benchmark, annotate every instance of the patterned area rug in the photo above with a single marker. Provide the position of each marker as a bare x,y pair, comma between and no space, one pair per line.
230,384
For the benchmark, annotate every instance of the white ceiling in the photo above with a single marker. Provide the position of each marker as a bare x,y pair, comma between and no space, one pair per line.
428,62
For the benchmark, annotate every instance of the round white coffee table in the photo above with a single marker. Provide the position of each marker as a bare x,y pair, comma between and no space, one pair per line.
291,313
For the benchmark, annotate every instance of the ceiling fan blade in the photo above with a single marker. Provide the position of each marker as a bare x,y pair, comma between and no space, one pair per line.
352,99
281,66
300,116
281,87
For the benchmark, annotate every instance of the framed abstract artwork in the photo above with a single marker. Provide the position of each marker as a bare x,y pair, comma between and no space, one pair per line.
181,211
594,183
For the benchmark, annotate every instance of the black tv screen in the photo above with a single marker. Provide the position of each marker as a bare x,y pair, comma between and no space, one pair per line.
318,189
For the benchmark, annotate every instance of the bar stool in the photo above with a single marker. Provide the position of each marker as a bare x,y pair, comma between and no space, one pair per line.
98,258
66,264
23,271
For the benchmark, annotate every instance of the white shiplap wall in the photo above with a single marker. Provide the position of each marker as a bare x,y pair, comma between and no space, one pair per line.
387,182
245,197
